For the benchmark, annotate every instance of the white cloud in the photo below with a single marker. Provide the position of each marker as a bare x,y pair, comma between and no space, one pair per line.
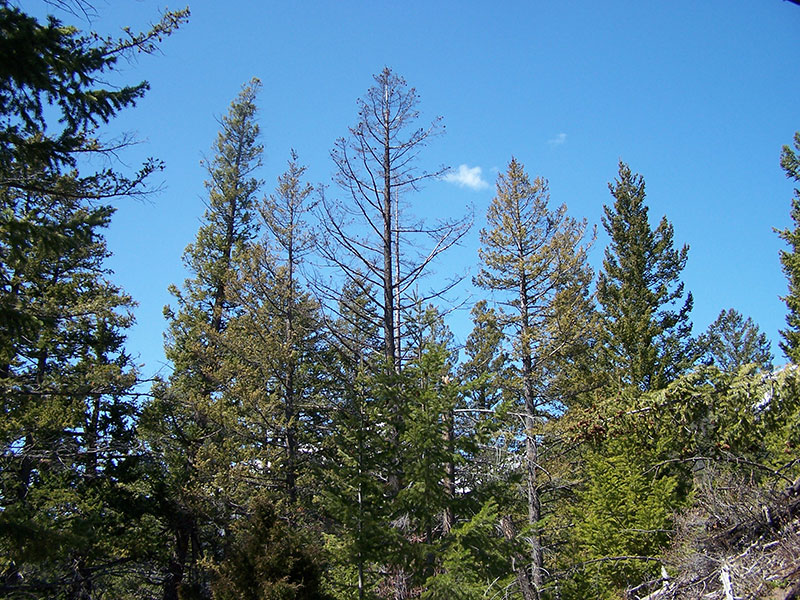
469,177
559,140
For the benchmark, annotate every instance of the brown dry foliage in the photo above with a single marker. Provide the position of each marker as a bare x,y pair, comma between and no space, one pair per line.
737,529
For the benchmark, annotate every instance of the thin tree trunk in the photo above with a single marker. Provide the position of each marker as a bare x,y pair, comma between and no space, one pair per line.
519,563
290,410
291,437
531,449
534,505
177,562
396,308
360,525
448,518
92,438
390,348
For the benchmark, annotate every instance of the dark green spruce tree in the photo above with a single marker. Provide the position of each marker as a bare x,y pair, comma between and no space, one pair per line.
486,358
790,259
284,215
269,560
354,453
70,501
733,341
68,404
430,391
647,340
645,344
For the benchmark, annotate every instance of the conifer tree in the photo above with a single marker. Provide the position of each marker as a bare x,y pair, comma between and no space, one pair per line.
54,101
186,424
354,453
790,259
367,236
534,257
70,501
473,560
432,392
388,543
274,344
283,214
646,313
68,403
268,559
483,370
428,453
481,419
227,227
732,341
644,344
622,520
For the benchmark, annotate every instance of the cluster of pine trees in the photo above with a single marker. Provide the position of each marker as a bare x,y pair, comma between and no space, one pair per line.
321,435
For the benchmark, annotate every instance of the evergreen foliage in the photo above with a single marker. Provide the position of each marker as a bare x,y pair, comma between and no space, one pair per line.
342,447
68,448
73,517
480,417
388,539
483,370
647,329
226,230
623,520
533,256
474,560
354,454
732,341
268,560
187,424
353,474
790,259
53,103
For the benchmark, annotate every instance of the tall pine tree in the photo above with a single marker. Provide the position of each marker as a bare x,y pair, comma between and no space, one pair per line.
186,424
790,259
646,312
69,505
534,257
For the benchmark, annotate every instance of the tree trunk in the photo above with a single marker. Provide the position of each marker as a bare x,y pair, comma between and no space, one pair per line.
390,347
518,562
534,505
177,562
290,409
448,518
531,448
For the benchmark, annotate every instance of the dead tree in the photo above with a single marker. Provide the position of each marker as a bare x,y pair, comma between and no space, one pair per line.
367,236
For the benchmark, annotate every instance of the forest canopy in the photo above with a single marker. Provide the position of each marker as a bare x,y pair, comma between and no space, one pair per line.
321,434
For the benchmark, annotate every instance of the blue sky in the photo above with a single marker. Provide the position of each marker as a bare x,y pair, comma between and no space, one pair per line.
698,97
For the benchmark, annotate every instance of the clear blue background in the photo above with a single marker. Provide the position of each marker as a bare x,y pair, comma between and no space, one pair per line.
698,97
